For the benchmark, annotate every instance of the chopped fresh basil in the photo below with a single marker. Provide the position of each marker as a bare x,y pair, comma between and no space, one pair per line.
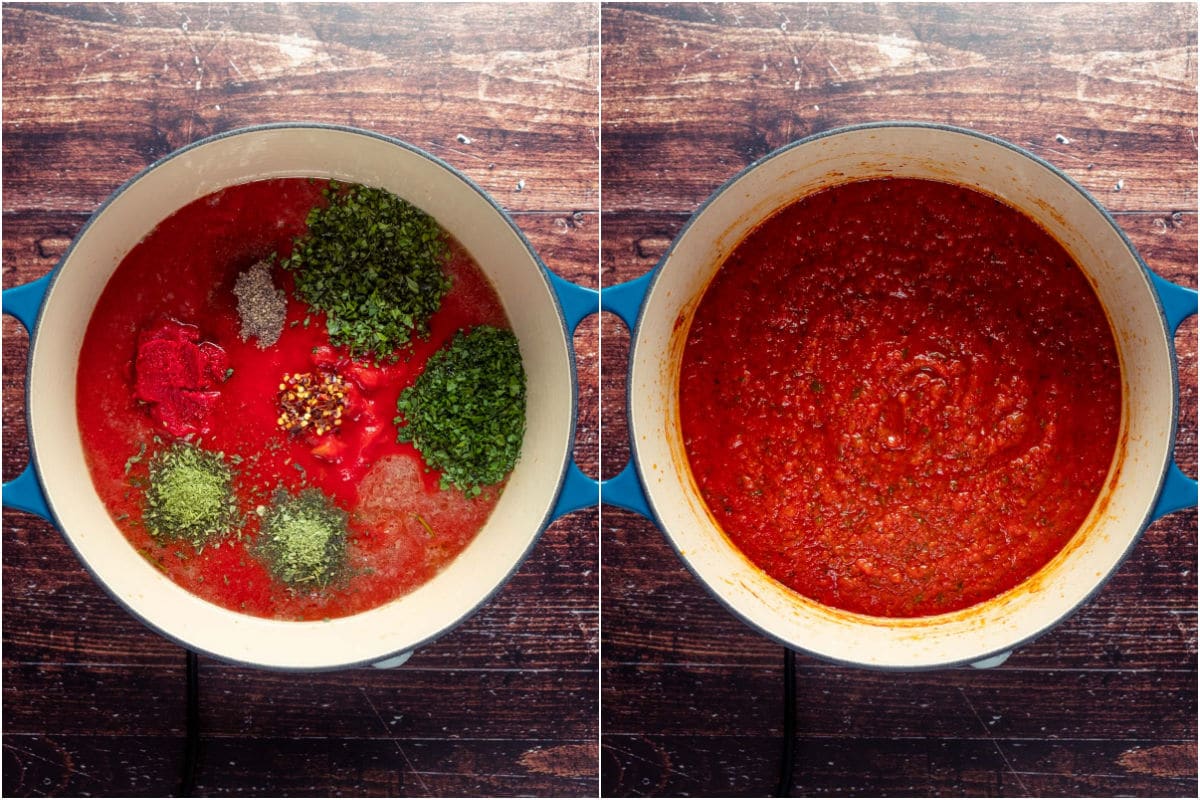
373,263
466,412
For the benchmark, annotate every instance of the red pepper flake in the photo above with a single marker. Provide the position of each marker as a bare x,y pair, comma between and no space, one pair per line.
311,400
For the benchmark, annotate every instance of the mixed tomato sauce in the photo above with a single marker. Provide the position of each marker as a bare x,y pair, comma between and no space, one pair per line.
174,290
900,397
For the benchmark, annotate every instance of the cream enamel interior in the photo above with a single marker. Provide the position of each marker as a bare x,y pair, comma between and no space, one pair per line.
1123,288
297,151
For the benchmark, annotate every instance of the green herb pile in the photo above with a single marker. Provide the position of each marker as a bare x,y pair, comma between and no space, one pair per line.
190,496
303,538
373,263
466,411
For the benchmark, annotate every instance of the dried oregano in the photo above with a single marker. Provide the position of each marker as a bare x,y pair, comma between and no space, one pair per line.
303,538
190,497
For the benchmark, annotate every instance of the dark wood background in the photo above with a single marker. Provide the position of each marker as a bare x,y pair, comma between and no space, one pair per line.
506,704
93,702
691,699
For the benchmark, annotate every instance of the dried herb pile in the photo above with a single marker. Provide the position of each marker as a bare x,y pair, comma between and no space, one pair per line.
303,538
190,496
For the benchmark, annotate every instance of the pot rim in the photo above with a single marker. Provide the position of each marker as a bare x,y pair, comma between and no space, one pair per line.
635,342
562,468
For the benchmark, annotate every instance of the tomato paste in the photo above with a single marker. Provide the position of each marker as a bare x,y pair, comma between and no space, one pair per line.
900,397
177,375
164,356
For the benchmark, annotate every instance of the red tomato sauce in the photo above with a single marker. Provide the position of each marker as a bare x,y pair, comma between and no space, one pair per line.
900,397
403,528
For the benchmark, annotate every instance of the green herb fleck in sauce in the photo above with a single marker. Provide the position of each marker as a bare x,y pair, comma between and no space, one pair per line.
135,458
466,411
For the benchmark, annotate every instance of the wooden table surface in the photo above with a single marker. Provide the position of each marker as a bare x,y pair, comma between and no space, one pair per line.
506,704
691,698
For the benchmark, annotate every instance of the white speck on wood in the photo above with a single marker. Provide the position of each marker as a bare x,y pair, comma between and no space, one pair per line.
297,49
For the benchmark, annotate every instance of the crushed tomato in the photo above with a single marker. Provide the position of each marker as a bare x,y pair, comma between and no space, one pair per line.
900,397
402,528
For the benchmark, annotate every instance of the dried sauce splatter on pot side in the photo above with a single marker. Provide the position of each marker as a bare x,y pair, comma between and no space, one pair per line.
900,397
202,352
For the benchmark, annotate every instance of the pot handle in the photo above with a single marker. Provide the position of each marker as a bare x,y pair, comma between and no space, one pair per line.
1178,490
24,492
577,303
626,489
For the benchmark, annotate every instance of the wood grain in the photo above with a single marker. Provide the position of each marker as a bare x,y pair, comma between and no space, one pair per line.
708,90
520,82
506,704
743,765
1103,704
143,766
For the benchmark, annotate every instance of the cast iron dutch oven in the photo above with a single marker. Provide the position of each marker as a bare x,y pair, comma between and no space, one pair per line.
543,309
1144,310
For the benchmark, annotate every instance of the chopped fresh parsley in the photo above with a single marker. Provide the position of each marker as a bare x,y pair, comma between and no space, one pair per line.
466,412
373,263
303,538
189,496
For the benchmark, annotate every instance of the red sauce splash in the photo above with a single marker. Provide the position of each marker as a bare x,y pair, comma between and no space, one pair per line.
900,397
403,528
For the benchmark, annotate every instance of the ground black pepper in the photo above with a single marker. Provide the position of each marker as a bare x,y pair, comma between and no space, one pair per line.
261,306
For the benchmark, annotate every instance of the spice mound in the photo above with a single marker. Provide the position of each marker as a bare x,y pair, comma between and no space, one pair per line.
177,375
262,307
311,401
466,411
303,538
190,496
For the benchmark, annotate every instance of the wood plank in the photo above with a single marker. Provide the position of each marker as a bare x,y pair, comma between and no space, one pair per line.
478,703
682,766
484,704
520,83
962,703
399,767
692,96
101,699
151,766
67,764
872,766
